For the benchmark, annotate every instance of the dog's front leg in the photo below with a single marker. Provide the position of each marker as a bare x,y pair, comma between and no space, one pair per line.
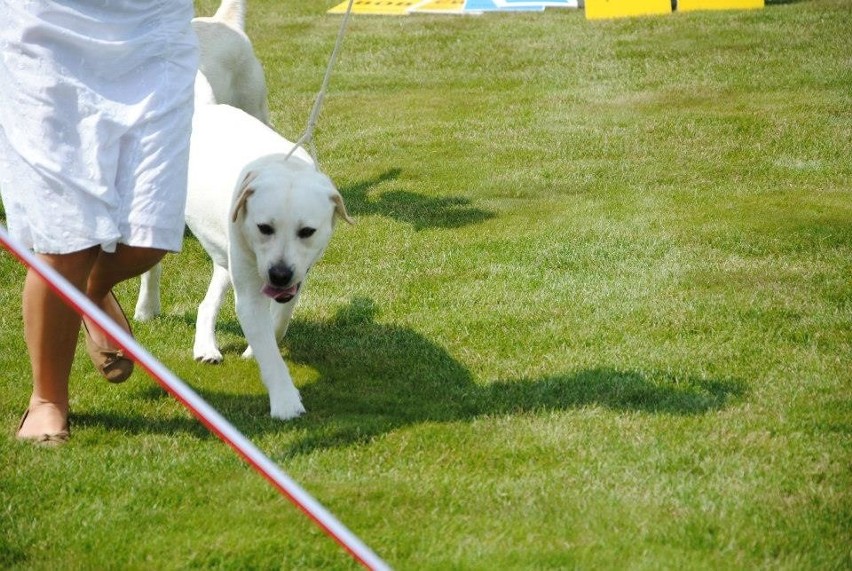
281,315
255,319
205,348
148,302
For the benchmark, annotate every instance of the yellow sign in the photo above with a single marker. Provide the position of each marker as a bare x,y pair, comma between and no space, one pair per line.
601,9
440,7
689,5
381,7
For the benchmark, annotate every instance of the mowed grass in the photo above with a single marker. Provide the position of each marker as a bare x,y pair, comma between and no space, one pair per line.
595,313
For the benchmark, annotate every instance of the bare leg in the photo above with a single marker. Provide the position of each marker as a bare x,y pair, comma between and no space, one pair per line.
50,332
108,271
51,327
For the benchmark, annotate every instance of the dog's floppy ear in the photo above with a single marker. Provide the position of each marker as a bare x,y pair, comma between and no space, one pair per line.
340,208
245,192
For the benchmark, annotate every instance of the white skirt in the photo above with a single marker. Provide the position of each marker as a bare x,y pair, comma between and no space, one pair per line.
96,101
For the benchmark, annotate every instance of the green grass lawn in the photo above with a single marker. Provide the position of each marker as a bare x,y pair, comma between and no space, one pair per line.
596,313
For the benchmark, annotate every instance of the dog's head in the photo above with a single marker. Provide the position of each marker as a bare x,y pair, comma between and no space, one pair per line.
283,213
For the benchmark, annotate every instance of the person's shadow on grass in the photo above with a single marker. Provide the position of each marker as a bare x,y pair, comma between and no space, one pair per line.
373,378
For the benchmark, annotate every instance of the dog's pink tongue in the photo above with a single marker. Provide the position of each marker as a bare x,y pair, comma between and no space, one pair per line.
279,292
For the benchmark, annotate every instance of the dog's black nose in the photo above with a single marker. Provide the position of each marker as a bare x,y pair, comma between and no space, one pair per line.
280,275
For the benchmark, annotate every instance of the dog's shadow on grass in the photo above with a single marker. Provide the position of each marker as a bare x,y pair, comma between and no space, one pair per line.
372,378
416,209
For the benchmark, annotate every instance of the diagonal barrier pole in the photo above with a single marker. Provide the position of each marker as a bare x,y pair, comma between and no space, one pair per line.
208,415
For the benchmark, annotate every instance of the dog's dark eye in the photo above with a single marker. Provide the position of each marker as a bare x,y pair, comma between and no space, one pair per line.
266,229
306,232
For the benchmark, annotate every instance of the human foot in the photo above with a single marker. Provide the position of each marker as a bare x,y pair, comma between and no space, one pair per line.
107,358
45,424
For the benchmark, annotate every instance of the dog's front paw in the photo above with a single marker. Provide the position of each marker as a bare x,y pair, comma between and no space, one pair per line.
248,353
287,408
205,349
210,356
210,359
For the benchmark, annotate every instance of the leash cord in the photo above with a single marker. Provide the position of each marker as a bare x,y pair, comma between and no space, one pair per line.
308,136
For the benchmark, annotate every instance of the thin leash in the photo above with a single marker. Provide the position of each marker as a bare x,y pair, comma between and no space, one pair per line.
307,137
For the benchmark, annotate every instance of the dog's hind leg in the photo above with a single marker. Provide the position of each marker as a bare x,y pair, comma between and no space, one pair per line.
148,302
205,348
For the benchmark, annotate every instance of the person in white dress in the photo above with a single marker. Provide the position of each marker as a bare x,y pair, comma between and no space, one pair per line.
96,102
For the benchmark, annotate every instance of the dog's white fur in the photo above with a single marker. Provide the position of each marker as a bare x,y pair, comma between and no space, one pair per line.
264,219
228,63
259,215
256,213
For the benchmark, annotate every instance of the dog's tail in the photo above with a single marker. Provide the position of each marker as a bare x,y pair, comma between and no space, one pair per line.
232,12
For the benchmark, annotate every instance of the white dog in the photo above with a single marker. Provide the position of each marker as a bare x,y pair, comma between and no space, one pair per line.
227,63
265,220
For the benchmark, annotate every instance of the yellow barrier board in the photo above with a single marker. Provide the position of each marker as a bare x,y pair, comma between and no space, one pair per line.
379,7
440,7
690,5
602,9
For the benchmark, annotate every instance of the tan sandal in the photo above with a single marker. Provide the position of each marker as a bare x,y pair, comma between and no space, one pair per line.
112,363
46,439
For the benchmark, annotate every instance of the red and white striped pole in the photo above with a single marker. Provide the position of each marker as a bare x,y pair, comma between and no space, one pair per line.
208,415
